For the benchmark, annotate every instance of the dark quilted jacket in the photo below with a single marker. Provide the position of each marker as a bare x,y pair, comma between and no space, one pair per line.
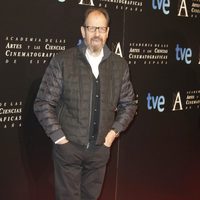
63,103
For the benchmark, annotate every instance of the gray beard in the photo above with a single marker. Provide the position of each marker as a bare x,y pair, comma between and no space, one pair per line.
94,51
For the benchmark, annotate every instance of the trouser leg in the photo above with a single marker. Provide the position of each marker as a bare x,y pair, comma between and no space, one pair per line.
67,166
94,167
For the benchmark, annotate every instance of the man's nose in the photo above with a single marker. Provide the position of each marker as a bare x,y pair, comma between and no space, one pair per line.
97,31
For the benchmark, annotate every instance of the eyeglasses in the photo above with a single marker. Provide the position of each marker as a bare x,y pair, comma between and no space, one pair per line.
93,29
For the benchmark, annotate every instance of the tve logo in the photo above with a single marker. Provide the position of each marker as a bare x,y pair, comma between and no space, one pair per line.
155,102
163,5
183,54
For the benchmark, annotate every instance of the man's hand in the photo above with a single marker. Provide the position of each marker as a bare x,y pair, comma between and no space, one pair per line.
110,137
63,141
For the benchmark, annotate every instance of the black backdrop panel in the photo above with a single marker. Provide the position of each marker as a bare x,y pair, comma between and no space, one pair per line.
157,158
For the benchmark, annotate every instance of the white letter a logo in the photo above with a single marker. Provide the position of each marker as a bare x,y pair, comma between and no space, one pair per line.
177,103
183,6
86,2
118,50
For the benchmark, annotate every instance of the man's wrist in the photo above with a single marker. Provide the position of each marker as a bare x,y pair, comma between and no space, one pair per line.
62,138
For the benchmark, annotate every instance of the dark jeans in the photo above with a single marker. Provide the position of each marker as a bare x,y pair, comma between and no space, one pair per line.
79,172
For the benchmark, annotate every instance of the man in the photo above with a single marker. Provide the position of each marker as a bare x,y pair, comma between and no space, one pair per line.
85,100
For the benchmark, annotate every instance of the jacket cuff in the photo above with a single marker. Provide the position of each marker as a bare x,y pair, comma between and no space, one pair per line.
57,135
118,127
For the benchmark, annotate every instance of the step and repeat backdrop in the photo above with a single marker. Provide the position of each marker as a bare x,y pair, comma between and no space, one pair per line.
157,158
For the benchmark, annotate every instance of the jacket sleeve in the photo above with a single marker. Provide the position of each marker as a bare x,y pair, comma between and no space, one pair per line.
127,105
47,99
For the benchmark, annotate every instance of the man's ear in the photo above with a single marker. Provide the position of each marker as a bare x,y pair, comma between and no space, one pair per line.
83,31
